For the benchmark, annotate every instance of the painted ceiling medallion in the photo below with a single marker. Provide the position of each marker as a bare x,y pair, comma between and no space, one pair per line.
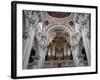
59,14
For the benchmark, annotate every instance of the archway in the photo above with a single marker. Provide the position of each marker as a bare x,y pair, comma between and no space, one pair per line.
58,49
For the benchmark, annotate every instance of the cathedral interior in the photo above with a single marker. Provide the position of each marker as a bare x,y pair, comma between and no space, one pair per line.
56,39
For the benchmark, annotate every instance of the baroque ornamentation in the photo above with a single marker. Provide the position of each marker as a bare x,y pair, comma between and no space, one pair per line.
33,19
31,16
75,40
82,20
42,39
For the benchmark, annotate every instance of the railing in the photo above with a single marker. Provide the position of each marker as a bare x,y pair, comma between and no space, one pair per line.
63,63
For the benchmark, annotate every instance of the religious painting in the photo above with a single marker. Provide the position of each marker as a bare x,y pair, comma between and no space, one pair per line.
53,39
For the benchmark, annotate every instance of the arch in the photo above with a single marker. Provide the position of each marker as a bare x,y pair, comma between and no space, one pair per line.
50,31
62,27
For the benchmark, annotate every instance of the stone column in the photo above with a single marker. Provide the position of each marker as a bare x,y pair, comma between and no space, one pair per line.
68,52
82,21
53,50
75,48
42,48
42,53
75,52
49,51
25,44
31,21
87,46
27,49
65,50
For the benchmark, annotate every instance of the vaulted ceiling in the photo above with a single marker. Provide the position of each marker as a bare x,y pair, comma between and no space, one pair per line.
59,14
56,22
58,19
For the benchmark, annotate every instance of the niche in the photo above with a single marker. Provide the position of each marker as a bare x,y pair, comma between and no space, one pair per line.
31,58
84,53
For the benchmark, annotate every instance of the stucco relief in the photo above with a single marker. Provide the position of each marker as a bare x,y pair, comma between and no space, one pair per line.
81,20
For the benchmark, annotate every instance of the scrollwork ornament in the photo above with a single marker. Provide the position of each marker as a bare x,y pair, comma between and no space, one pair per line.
43,41
82,20
75,40
31,16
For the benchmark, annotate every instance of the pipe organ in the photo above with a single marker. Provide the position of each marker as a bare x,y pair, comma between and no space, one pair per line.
58,49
